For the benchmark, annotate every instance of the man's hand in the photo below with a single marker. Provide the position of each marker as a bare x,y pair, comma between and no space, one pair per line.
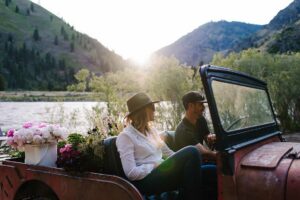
211,138
206,153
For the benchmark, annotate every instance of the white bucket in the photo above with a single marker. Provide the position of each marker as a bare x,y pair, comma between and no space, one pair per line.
44,154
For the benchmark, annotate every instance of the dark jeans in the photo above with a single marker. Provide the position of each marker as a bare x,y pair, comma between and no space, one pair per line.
210,183
180,171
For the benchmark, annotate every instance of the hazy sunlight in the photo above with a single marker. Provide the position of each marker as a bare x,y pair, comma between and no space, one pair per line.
136,28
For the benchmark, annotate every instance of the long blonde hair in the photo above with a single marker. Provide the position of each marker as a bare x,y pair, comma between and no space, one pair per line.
139,120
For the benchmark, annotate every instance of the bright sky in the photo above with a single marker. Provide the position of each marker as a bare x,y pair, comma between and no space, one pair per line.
136,28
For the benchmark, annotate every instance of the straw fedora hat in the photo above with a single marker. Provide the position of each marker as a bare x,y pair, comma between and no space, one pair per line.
137,102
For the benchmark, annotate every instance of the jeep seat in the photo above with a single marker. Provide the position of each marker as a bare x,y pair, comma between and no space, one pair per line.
169,138
112,161
113,166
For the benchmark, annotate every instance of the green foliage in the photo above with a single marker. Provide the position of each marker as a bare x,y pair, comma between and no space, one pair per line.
24,68
75,139
281,72
86,153
165,80
82,77
108,85
168,81
61,144
17,154
12,152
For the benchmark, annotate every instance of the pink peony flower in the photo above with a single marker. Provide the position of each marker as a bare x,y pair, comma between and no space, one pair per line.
10,141
10,133
27,125
42,125
67,148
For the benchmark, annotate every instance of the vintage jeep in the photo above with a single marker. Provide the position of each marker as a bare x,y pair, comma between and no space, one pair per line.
253,161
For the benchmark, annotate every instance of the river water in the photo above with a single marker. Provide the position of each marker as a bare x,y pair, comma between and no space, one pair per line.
72,115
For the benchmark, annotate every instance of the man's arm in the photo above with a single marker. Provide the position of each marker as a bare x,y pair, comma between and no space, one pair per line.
209,138
206,153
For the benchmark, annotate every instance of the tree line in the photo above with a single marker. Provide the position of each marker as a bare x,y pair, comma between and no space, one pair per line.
280,71
29,69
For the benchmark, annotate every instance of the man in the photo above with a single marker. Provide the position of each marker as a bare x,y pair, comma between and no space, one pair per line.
193,129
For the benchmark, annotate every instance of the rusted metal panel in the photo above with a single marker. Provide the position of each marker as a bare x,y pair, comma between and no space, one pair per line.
267,178
66,186
268,155
262,184
228,190
240,154
293,182
86,186
9,181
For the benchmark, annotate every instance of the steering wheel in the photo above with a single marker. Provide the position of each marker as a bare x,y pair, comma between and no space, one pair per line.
237,121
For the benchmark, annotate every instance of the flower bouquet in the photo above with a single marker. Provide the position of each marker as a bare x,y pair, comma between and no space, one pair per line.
69,158
38,140
82,153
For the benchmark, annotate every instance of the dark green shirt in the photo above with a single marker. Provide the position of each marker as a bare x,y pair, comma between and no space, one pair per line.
188,134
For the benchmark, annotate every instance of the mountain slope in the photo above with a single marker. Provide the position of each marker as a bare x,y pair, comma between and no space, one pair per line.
201,44
281,35
40,51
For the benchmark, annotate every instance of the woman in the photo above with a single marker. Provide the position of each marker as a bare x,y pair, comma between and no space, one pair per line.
142,152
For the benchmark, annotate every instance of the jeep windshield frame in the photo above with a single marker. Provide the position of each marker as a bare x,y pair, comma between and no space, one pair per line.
240,108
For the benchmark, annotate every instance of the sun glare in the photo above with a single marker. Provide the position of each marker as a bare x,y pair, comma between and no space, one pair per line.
140,59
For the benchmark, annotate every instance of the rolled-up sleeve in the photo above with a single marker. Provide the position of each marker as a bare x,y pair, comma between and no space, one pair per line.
133,172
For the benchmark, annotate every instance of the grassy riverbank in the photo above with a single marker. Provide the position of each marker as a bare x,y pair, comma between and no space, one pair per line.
49,96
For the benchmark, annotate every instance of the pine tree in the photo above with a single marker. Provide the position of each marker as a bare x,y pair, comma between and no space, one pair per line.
32,7
36,35
10,37
62,30
56,40
2,83
17,9
72,46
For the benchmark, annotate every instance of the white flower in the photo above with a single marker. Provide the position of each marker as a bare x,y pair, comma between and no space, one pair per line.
50,128
37,139
45,133
28,134
19,138
59,132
